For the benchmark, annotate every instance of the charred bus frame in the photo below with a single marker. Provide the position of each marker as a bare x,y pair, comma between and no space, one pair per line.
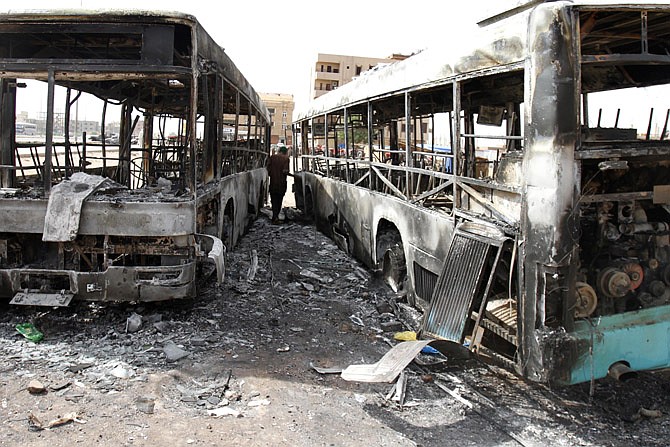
122,218
549,250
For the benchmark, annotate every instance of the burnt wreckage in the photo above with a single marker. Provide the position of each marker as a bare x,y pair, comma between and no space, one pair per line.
482,179
128,214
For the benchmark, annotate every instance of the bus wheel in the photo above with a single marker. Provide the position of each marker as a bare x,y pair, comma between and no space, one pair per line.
394,270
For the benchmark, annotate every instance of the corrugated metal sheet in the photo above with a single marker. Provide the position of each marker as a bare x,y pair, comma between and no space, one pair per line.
424,282
457,285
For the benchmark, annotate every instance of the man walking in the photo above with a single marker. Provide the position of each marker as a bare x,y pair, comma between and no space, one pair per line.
278,170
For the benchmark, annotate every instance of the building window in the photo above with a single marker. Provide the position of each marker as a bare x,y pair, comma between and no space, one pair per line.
336,70
283,114
271,110
329,69
327,86
320,85
321,68
358,70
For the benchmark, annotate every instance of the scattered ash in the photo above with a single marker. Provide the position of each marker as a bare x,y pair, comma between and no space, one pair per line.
232,367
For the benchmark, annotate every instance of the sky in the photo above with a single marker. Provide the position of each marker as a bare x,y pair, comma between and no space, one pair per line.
275,43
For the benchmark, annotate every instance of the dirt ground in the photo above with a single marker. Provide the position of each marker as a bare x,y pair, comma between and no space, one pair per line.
232,367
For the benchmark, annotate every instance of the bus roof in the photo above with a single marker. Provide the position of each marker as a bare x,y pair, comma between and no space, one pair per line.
484,48
500,41
208,48
506,9
84,15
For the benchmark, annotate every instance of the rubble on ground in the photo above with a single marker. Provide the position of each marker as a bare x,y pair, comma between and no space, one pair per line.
265,351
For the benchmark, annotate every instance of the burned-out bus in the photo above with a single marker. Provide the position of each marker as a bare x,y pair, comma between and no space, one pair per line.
147,163
515,183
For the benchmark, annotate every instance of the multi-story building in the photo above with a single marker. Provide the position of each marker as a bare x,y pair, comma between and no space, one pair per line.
334,70
281,107
78,127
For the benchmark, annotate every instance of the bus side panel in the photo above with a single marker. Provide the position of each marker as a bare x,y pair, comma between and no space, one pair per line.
245,188
343,208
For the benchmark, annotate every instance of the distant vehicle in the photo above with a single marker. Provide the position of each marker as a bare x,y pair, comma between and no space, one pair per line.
26,129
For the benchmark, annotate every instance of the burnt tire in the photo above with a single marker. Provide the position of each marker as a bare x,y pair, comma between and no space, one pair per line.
394,270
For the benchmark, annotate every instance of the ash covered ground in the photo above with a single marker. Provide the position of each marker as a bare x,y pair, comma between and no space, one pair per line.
232,367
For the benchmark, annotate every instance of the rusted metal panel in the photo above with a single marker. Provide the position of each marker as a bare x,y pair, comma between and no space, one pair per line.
662,194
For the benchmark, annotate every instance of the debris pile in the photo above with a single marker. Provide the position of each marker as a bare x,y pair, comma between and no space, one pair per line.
271,345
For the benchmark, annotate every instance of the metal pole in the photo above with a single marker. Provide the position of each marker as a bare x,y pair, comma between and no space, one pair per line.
218,159
665,126
616,121
66,132
102,139
456,139
49,132
326,151
82,160
346,143
651,117
9,155
311,125
370,172
408,149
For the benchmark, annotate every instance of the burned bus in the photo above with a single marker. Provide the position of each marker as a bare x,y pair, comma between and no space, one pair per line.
170,174
515,184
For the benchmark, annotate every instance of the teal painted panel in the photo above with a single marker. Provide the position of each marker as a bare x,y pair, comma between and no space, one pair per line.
640,338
